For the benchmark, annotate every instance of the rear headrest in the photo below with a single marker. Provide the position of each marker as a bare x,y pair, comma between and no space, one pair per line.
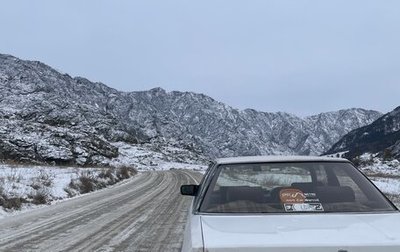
306,186
235,193
333,194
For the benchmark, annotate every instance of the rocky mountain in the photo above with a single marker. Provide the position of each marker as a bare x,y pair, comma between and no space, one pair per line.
381,135
47,116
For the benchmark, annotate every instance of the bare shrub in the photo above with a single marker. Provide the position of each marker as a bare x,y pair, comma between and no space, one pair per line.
109,175
10,202
14,176
126,172
2,196
45,178
42,180
1,186
35,185
40,197
13,203
73,185
88,181
70,192
86,184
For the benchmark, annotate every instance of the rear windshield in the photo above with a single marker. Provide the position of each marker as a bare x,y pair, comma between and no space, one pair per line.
291,188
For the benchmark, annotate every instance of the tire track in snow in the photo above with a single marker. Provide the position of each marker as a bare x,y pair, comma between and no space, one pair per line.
145,214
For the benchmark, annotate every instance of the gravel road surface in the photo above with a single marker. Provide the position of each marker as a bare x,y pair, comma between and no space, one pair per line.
146,213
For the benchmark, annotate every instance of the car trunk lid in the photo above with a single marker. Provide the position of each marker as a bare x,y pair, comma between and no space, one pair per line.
302,232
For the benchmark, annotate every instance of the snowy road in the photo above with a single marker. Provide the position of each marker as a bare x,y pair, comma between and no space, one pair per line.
145,214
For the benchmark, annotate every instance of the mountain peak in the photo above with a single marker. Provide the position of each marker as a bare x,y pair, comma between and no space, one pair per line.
75,120
158,90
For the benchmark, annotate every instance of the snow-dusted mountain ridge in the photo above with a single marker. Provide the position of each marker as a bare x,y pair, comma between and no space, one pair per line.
49,116
382,137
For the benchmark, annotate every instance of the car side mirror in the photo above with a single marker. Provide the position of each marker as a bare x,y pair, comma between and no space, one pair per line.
189,190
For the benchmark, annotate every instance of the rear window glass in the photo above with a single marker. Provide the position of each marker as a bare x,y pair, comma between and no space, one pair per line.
291,188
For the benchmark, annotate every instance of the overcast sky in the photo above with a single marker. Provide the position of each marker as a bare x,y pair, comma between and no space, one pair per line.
301,57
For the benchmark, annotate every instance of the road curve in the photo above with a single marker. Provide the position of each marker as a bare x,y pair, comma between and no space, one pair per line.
147,213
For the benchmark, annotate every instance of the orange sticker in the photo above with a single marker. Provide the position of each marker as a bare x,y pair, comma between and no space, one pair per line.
292,196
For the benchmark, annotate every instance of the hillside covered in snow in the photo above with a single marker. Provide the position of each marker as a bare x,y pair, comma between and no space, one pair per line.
50,117
381,137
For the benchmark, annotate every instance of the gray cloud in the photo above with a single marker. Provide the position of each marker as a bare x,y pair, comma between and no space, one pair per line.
301,57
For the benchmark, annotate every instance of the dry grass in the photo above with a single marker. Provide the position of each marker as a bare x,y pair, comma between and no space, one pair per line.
126,172
12,203
40,197
88,182
14,176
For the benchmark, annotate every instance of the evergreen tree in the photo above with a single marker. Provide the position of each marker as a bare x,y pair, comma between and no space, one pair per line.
387,155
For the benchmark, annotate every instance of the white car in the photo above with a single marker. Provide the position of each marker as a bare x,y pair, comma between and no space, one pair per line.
284,204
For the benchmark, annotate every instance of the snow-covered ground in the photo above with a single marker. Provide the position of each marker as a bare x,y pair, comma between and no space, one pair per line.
373,165
28,186
389,186
24,182
25,187
21,180
144,157
384,173
59,183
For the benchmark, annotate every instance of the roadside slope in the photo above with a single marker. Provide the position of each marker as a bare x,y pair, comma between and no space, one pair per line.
145,214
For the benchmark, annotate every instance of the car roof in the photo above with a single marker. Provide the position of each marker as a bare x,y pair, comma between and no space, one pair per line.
277,159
